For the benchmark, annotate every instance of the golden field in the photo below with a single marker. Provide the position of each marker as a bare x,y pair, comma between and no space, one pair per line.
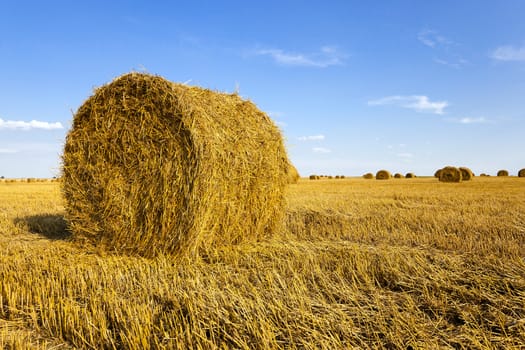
364,264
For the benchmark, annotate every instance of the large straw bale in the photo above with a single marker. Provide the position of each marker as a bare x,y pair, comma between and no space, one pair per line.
383,175
466,174
152,166
437,173
450,174
521,173
503,173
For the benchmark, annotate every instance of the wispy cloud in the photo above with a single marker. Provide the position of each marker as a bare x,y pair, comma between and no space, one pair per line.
33,124
442,46
275,114
327,56
418,103
458,63
405,155
509,53
433,39
321,150
311,138
469,120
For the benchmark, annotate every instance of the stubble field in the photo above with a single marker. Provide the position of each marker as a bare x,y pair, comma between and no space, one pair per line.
365,264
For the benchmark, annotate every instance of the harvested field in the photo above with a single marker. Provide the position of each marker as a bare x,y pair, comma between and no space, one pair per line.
360,264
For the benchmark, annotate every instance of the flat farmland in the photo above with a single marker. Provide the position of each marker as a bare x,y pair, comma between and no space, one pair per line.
365,264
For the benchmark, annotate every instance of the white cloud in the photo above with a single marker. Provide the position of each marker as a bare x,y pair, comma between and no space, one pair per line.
325,57
443,47
280,123
311,138
417,103
405,155
468,120
433,39
33,124
7,151
275,114
321,150
509,53
460,62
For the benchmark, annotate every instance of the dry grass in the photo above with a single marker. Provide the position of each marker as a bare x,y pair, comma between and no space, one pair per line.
152,166
370,265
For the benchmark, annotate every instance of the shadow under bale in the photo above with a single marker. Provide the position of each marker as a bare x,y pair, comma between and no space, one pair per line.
50,226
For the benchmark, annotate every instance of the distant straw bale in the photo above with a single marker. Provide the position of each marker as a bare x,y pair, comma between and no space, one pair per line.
450,174
521,173
410,175
383,175
466,174
368,176
152,166
398,176
503,173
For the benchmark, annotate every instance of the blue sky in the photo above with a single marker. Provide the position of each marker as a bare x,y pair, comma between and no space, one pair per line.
356,86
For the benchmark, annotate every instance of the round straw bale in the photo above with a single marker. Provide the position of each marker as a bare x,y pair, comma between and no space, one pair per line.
383,175
410,175
151,166
368,176
314,177
466,174
436,174
450,174
521,173
503,173
398,176
293,174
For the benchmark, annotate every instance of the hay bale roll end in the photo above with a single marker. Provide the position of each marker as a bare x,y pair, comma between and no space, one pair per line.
151,166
